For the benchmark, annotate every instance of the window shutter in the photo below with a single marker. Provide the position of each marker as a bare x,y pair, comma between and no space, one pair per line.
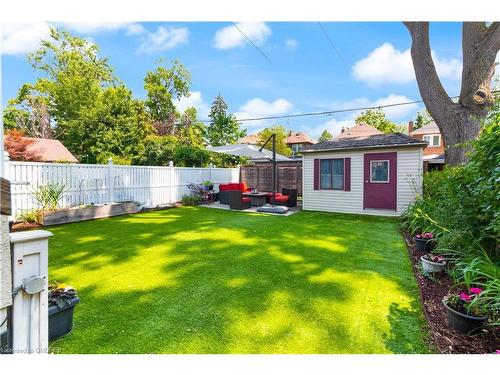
347,174
316,174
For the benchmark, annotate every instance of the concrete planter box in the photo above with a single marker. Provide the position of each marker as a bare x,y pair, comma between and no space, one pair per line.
73,214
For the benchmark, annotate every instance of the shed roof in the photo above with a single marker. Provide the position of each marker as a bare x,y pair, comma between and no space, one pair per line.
251,139
371,141
430,128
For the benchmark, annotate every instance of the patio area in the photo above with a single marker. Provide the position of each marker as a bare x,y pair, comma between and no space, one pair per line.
198,280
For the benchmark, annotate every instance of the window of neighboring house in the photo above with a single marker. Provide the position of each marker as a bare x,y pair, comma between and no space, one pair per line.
433,140
332,174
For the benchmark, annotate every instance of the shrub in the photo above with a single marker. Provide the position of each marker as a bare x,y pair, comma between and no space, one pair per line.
30,216
190,200
461,207
48,196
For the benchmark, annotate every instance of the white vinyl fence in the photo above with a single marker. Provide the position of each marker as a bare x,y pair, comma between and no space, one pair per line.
106,183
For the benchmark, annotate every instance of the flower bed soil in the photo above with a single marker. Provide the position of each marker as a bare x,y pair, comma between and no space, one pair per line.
446,339
20,226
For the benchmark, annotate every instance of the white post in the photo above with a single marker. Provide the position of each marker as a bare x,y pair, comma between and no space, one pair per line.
111,181
171,174
210,175
5,165
30,281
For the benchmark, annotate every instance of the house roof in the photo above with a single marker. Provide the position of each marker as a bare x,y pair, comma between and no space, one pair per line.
371,141
359,130
251,139
299,138
49,150
430,128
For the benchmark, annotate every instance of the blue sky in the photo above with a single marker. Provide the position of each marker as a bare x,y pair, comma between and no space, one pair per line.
368,65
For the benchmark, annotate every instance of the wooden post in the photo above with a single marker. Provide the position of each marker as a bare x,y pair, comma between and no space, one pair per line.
5,205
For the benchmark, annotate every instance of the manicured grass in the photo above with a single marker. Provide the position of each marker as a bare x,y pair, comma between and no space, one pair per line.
199,280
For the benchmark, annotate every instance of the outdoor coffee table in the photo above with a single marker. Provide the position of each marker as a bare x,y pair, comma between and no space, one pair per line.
256,199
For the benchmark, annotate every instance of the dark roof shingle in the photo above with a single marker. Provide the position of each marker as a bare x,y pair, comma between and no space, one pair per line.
371,141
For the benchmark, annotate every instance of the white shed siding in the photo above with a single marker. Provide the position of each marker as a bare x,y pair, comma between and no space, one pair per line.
408,184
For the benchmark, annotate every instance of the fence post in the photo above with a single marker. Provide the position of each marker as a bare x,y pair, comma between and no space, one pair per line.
171,174
111,181
5,165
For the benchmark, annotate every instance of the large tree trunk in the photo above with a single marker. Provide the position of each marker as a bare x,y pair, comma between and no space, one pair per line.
459,122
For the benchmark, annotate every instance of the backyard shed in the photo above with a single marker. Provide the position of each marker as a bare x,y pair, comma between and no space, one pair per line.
376,174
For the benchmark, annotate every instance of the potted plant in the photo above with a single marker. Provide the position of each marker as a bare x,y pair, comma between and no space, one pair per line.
208,185
62,301
433,263
465,310
424,241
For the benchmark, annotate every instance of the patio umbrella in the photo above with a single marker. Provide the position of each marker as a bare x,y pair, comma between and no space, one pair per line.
254,154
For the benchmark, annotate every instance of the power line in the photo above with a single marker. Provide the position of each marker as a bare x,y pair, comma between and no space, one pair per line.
252,43
329,113
332,44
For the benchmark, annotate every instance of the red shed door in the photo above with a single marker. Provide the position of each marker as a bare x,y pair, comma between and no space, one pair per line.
380,188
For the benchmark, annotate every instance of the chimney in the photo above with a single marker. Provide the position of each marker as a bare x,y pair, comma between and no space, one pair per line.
410,126
342,130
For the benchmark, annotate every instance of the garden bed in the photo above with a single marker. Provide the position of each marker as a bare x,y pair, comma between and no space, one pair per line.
446,339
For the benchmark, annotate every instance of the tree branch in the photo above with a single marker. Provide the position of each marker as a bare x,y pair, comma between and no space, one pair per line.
480,45
433,94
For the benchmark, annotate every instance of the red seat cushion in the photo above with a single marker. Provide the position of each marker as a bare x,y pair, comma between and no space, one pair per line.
242,186
246,200
281,198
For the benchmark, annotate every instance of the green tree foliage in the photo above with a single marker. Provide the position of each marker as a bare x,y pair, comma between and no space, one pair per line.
224,128
377,119
164,85
422,118
325,136
190,131
281,135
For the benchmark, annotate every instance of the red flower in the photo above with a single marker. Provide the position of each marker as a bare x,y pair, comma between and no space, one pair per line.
476,290
465,297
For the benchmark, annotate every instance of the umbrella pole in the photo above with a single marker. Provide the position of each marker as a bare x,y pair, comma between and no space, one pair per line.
274,167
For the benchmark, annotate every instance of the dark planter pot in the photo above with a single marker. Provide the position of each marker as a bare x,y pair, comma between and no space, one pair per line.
466,324
61,319
208,187
423,244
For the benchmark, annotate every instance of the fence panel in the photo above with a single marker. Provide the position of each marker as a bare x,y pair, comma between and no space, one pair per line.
101,183
260,176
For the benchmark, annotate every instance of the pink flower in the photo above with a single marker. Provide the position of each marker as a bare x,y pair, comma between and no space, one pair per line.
465,297
476,290
497,351
428,235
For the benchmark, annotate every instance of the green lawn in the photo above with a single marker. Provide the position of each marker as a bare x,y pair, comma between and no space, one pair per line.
198,280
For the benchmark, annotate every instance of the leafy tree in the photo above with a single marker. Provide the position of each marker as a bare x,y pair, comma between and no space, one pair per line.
223,128
156,150
422,118
377,119
281,134
163,86
17,146
325,136
459,122
190,131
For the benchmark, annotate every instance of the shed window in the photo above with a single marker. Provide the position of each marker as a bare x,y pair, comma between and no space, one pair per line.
379,171
332,174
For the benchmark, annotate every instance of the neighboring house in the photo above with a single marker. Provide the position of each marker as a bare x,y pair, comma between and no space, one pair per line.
297,142
44,150
251,139
358,130
377,174
433,158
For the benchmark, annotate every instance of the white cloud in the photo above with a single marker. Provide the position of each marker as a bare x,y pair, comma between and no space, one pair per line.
195,100
103,27
385,64
333,126
164,38
291,44
230,37
17,38
257,107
